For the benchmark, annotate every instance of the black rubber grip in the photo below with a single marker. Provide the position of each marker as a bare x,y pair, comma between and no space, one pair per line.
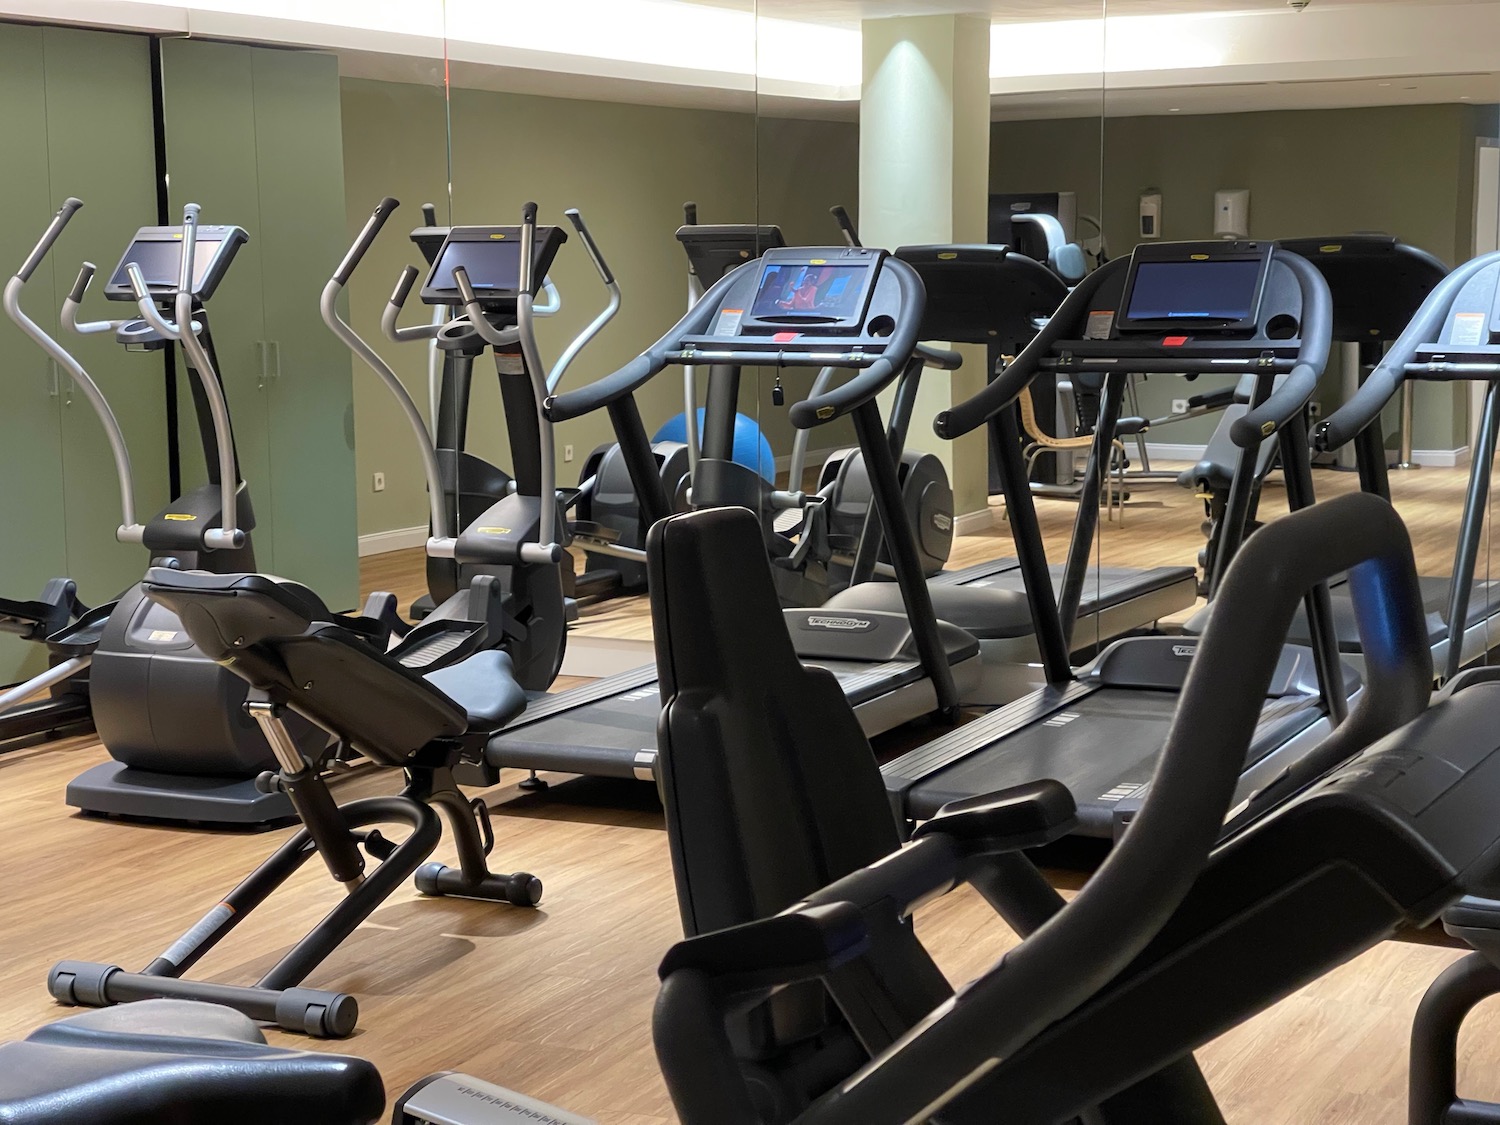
403,286
429,214
690,214
528,213
54,228
590,245
81,282
366,239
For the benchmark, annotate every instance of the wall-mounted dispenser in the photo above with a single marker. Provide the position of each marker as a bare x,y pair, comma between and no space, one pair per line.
1232,213
1151,214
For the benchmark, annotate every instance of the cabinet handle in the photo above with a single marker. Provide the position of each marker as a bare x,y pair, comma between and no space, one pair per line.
52,387
260,380
275,359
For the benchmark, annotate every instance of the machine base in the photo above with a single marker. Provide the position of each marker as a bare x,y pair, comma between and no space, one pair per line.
114,789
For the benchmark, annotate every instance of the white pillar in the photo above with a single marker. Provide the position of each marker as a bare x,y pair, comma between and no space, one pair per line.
924,156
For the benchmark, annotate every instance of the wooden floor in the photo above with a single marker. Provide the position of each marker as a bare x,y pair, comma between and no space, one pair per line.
556,1002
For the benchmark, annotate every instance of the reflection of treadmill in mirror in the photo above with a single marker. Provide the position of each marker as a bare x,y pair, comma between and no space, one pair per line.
994,296
1175,309
858,311
471,484
1378,283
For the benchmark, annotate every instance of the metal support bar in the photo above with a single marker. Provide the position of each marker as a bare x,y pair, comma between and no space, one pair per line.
1087,524
886,494
1471,529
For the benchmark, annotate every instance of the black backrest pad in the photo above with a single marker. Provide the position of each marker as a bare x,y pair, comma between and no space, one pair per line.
279,641
770,788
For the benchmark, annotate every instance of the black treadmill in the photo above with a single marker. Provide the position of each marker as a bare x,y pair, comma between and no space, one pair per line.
894,667
997,297
1454,336
1175,308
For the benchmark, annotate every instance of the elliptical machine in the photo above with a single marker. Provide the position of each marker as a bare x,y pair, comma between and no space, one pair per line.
171,718
516,543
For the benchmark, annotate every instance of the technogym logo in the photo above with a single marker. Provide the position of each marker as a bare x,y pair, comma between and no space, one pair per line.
842,624
1184,650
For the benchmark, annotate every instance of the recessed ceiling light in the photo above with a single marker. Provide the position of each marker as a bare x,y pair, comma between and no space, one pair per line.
1385,83
1174,109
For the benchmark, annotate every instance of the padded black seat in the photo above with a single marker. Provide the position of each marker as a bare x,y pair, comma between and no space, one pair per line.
985,612
770,788
177,1062
484,685
281,639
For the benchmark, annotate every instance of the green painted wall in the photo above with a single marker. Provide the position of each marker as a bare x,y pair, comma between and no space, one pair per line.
77,122
1407,170
628,169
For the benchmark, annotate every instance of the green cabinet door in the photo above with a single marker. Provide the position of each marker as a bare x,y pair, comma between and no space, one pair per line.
303,235
32,510
102,150
208,97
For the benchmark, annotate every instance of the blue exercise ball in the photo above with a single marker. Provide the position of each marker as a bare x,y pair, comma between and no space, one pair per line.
751,448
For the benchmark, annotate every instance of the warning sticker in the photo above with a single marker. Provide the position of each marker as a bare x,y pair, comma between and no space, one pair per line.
728,323
1468,328
1101,323
162,635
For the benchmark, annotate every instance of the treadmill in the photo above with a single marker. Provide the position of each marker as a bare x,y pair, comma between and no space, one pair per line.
998,297
865,325
1171,308
1454,336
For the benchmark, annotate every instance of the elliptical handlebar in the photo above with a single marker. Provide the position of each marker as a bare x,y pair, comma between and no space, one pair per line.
547,548
54,230
584,338
441,542
846,225
129,530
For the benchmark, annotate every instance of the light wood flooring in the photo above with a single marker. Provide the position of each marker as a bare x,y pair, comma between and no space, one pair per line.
556,1002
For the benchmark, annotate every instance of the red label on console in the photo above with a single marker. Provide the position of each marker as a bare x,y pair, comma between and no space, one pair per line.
1174,341
781,337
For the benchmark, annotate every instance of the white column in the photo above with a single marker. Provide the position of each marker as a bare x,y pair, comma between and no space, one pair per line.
924,156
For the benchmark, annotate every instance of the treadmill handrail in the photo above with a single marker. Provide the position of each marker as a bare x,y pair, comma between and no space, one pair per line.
1149,873
1365,405
1316,339
1008,385
817,410
640,370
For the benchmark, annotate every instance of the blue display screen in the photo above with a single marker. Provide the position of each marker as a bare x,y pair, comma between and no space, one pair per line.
821,293
1212,290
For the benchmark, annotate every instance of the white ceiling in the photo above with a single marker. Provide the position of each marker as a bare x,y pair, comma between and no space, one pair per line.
1050,58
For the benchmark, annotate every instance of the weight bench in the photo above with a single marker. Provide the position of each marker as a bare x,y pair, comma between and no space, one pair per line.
302,658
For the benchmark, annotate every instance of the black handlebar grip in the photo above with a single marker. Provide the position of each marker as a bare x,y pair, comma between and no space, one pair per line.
366,239
429,214
590,245
846,224
528,213
403,286
49,236
1284,404
690,214
81,282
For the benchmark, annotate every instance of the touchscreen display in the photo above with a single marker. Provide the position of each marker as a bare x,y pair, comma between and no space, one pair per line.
798,291
161,262
493,265
1222,290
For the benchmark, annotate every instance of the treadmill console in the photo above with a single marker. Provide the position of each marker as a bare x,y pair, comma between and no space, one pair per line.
824,292
1195,287
492,258
982,294
158,252
714,250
